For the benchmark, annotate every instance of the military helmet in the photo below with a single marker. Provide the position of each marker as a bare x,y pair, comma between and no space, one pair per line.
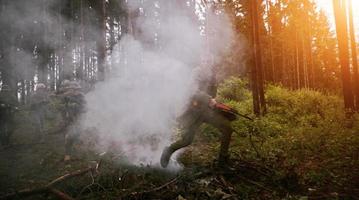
5,88
67,84
40,86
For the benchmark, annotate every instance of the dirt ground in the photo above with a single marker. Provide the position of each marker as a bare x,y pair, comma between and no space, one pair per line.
34,164
30,163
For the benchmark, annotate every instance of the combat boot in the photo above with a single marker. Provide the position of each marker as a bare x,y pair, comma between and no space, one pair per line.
223,161
165,157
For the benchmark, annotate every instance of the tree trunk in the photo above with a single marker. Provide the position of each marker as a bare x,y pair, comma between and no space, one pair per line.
342,35
80,69
101,43
278,46
309,52
297,63
354,55
301,60
257,71
270,70
22,92
52,69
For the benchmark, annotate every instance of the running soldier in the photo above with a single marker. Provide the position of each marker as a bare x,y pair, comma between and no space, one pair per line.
38,104
203,108
8,107
73,105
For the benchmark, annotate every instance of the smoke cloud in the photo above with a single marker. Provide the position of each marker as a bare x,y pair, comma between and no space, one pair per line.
135,109
154,71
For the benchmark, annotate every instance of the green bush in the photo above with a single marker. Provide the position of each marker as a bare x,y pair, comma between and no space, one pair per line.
304,132
234,89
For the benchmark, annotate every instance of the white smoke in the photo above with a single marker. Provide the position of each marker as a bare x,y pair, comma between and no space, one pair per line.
135,109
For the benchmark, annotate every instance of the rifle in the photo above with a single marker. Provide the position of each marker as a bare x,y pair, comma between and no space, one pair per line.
229,113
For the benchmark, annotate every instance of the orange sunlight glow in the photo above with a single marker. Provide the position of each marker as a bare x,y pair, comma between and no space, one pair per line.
327,6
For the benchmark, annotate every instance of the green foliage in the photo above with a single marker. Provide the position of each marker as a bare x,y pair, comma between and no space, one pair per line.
234,89
304,132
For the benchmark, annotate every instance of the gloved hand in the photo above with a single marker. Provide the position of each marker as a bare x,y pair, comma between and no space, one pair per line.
212,103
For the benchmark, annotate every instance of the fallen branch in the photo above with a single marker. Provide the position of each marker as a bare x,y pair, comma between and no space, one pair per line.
157,188
255,183
70,175
49,187
24,193
60,194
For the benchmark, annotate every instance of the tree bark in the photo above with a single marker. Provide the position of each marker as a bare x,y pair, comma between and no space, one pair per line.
354,55
80,69
257,71
278,55
342,35
101,43
270,69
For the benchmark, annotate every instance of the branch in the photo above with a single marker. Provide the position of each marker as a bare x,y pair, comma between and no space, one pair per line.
24,192
255,183
48,187
157,188
60,194
70,175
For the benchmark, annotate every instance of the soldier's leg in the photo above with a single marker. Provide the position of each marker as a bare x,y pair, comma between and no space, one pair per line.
6,134
9,129
68,144
186,140
224,126
69,141
42,125
3,132
226,139
39,123
36,122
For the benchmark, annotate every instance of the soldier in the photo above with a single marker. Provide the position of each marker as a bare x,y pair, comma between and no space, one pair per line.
39,102
202,109
7,109
73,105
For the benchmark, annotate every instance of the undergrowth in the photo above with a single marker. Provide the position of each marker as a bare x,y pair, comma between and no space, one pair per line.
304,136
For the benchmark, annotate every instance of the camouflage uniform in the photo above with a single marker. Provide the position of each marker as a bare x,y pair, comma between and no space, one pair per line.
200,111
73,105
39,102
7,111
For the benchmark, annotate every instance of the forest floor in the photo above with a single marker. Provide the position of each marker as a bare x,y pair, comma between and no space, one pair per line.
29,164
305,147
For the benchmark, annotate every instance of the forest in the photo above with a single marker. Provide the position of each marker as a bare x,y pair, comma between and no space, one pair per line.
179,99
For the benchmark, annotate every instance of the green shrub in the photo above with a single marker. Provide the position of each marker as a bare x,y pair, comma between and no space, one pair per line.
304,131
234,89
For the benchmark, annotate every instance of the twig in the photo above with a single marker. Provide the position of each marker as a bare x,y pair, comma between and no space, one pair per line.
157,188
24,192
255,183
251,143
261,169
48,187
88,186
228,186
253,146
60,194
70,175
